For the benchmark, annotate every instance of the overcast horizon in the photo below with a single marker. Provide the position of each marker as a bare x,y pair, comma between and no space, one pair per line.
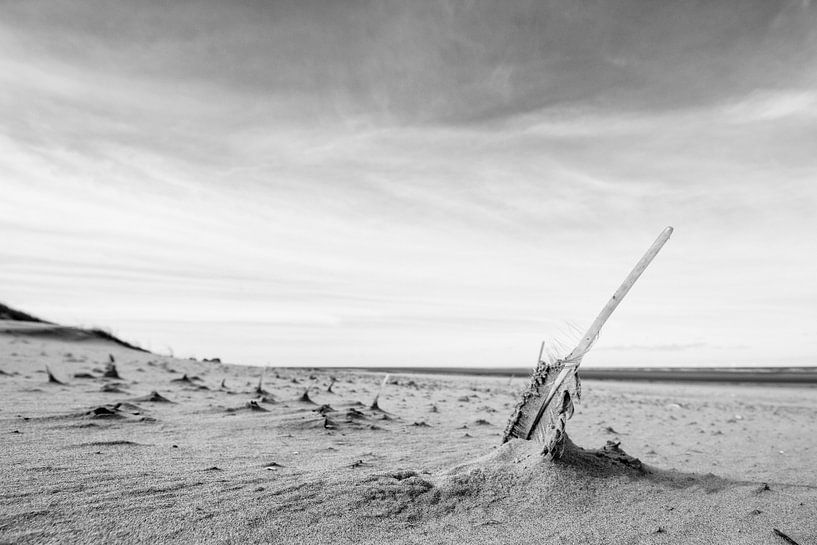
423,183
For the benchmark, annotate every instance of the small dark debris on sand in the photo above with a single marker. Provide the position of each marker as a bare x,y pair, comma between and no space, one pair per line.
785,538
251,405
184,378
421,424
610,453
112,388
111,411
273,465
115,443
83,375
254,406
482,422
613,451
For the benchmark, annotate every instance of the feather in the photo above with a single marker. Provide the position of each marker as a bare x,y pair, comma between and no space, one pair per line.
548,402
546,406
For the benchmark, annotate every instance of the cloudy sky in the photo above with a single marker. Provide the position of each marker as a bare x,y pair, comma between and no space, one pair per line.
414,183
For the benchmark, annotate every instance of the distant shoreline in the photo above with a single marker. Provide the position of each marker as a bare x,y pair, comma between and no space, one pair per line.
764,375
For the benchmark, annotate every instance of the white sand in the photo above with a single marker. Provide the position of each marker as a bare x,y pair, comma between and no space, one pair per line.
207,468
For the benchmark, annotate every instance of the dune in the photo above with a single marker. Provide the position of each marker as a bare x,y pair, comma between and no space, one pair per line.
47,330
424,463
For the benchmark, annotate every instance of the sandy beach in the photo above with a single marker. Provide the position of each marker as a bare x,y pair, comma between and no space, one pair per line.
186,451
305,253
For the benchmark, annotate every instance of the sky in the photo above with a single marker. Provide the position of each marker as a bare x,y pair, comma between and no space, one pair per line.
414,183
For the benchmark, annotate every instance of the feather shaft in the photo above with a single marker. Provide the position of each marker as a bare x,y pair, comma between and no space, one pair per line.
554,385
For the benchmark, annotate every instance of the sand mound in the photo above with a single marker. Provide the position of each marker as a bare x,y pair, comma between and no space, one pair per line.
591,495
191,382
153,397
115,411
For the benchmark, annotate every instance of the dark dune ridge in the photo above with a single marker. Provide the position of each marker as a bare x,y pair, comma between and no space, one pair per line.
8,313
30,326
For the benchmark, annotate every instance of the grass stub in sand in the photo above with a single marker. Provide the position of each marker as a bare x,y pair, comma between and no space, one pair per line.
111,370
51,378
375,406
260,388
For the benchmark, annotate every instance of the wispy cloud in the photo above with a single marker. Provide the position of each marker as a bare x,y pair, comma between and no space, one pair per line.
656,347
435,183
766,106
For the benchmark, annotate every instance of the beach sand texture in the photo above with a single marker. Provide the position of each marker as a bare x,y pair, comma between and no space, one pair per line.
185,451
